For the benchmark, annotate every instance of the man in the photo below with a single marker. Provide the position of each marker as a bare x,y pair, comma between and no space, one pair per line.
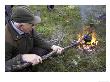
22,42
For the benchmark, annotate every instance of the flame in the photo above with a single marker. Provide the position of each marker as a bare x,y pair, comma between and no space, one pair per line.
89,45
93,38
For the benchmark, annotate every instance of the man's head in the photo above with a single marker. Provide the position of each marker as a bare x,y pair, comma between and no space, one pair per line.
26,19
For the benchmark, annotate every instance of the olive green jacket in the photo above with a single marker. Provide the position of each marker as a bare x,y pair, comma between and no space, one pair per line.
16,45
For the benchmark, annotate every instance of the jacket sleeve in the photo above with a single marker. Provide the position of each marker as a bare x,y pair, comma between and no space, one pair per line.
11,62
39,42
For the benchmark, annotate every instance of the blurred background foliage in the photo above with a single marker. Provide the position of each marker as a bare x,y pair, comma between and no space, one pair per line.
61,25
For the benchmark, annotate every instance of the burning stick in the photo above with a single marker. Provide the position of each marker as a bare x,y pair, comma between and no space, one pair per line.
27,64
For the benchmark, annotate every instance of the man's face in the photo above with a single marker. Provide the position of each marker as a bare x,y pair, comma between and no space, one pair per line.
26,27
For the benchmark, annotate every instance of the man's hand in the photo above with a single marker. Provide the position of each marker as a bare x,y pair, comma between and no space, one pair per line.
32,58
58,49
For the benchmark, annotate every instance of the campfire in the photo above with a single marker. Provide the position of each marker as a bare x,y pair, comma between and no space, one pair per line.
87,39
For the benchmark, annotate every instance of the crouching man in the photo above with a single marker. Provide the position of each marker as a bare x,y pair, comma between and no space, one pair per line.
22,42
